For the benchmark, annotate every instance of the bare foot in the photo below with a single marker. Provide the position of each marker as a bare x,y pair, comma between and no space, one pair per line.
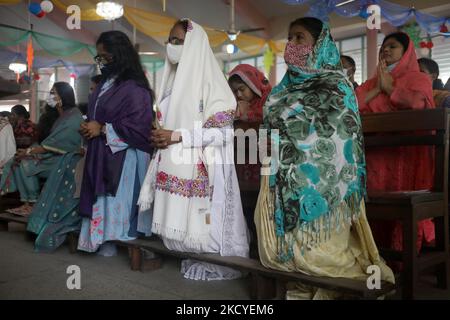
24,210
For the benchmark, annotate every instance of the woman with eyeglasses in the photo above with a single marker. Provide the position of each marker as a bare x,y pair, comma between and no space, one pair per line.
191,183
117,128
59,150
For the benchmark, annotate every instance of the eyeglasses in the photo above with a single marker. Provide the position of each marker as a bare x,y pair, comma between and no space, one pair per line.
175,41
103,59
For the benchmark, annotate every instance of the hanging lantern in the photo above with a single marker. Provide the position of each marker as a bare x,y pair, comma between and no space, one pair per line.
109,10
230,48
73,76
17,68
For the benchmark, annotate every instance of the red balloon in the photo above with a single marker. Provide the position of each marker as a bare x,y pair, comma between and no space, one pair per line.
40,14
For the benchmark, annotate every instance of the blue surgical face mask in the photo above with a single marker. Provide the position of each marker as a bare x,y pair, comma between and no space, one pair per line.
392,66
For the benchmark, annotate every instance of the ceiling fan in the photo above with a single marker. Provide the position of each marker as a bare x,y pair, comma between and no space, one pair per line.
232,32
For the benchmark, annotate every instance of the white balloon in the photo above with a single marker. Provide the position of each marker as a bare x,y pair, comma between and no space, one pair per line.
47,6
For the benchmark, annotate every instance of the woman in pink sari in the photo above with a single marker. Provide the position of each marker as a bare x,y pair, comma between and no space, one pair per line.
398,85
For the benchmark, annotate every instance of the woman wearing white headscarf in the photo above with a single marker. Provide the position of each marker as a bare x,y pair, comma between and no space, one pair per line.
191,182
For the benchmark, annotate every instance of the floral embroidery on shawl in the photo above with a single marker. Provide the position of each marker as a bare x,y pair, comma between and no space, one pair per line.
198,187
220,119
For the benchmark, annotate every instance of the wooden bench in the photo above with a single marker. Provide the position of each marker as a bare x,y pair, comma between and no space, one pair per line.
266,283
400,129
6,218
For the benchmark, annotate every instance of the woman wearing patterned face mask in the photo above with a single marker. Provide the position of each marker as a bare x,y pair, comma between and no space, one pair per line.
39,161
310,215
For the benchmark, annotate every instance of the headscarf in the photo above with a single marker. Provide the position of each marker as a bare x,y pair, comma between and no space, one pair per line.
3,122
321,175
406,74
258,83
199,98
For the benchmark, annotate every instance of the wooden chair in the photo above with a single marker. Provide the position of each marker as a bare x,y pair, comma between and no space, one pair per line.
411,207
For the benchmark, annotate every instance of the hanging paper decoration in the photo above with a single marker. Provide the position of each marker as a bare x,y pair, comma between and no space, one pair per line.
24,79
413,31
426,44
320,9
397,15
363,13
444,31
268,60
30,55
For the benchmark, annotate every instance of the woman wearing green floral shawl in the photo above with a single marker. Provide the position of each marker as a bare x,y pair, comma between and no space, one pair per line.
310,215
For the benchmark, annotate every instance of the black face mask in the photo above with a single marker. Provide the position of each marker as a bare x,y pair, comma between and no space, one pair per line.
107,70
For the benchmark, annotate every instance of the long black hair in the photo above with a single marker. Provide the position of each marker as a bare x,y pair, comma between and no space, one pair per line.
313,25
65,92
46,121
20,111
127,64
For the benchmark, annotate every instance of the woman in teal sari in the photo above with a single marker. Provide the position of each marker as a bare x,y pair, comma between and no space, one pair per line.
310,215
56,211
37,162
54,159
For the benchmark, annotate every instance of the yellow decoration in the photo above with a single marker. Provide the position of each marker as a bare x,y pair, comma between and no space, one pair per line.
10,1
87,9
250,44
268,60
158,26
151,24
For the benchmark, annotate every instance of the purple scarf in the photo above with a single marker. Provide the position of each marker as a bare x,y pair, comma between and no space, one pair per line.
128,108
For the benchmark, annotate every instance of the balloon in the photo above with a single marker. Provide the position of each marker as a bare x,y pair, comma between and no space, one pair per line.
363,13
40,14
47,6
34,8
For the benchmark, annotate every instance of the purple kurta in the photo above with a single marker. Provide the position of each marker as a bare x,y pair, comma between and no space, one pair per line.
128,107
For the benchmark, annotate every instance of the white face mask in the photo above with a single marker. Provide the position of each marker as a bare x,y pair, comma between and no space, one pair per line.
174,52
346,72
51,101
392,66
